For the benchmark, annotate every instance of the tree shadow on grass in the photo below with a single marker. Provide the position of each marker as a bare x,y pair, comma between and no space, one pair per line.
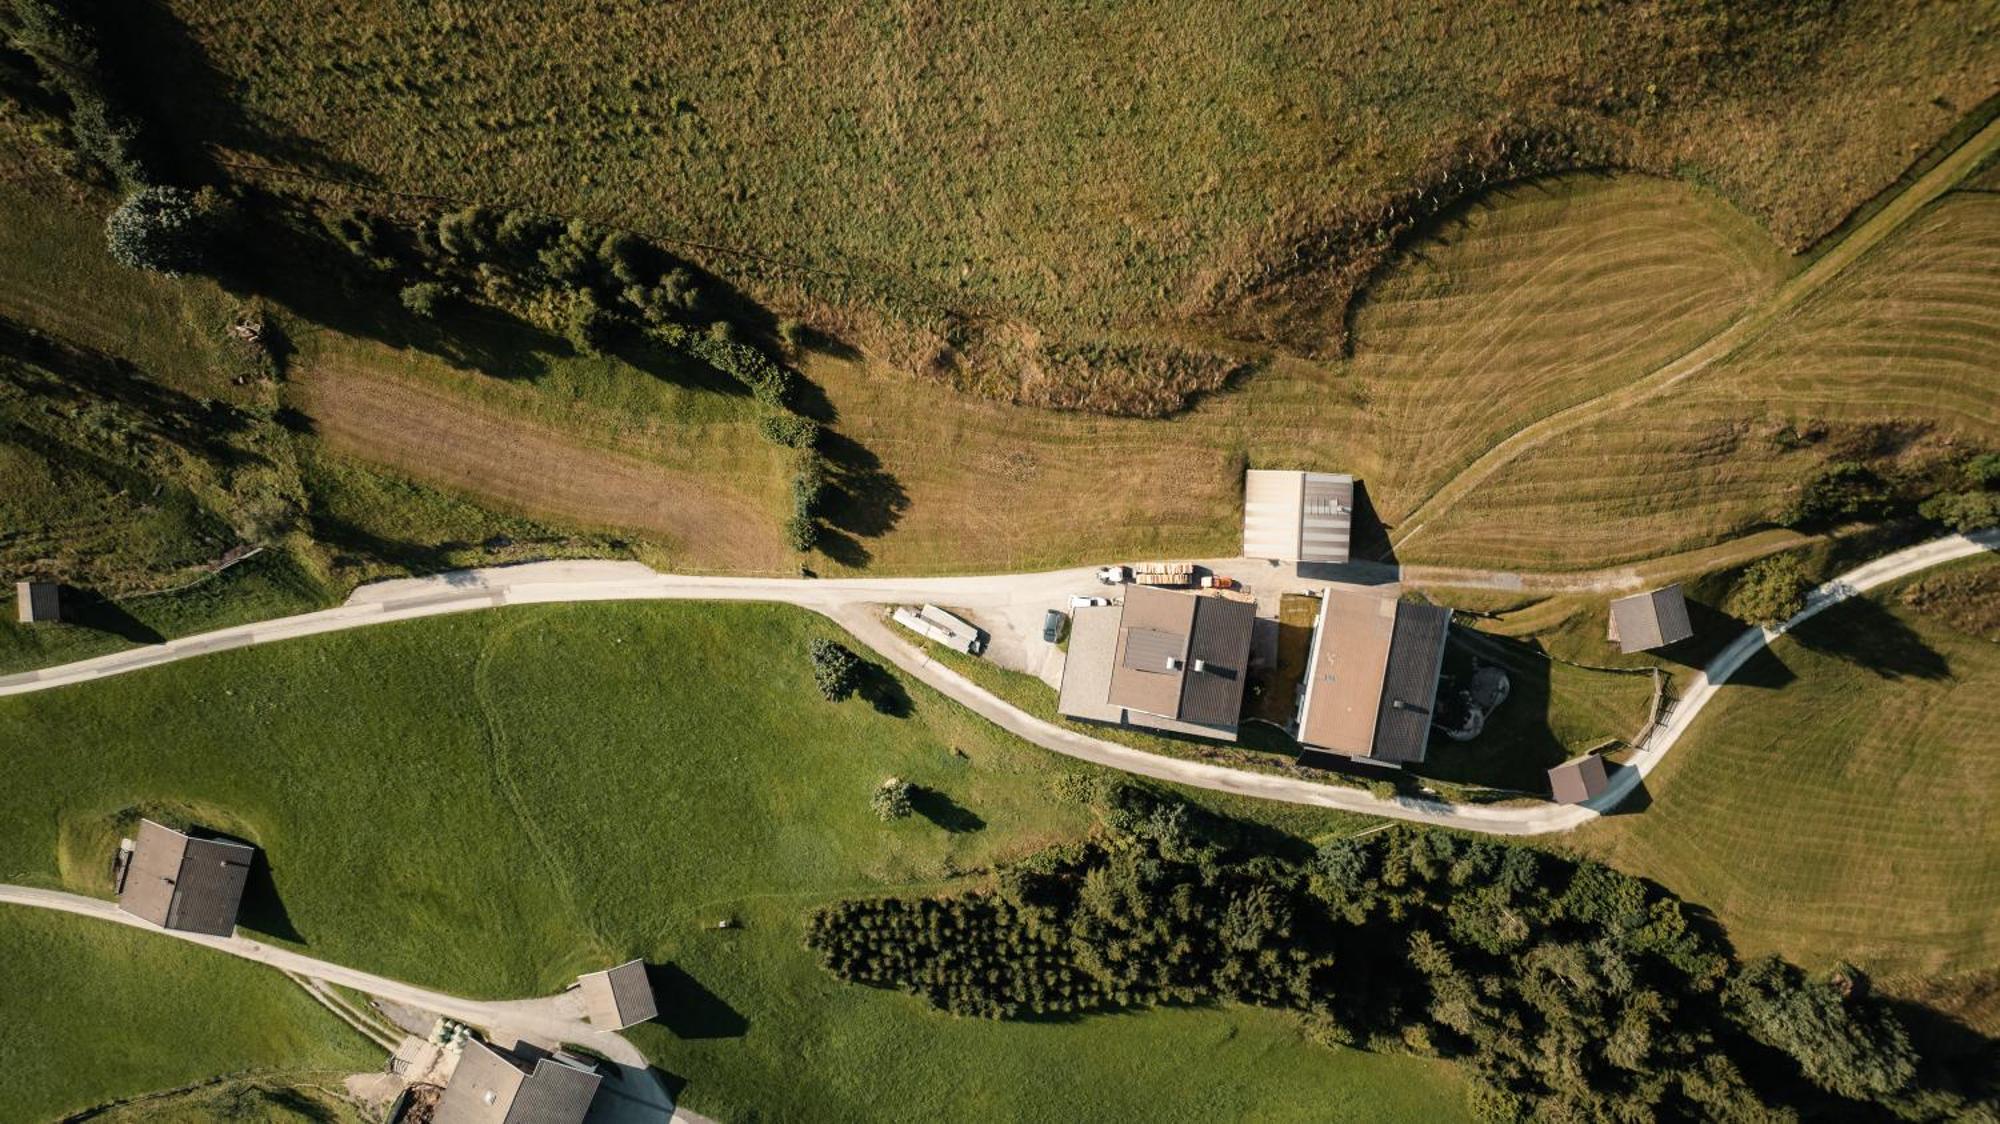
689,1009
358,543
884,691
1866,634
945,812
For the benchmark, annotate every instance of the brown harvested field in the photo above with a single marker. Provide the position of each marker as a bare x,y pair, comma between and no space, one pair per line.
1471,335
1910,335
437,437
1829,804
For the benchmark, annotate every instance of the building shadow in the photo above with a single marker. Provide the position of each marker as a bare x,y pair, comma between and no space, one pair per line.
944,812
1636,801
691,1010
93,611
1368,539
1517,745
263,909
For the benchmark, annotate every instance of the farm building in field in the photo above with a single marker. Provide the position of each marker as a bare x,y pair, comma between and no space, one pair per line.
618,997
1645,621
178,881
1297,516
1372,678
37,602
1165,659
1578,780
523,1085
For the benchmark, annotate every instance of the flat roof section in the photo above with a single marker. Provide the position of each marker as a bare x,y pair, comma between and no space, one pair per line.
1086,677
1298,516
1350,659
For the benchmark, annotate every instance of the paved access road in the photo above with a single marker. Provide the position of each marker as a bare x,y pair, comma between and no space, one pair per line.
1017,600
635,1094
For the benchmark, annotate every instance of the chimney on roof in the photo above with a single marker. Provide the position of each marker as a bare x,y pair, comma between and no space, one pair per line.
1173,663
1199,665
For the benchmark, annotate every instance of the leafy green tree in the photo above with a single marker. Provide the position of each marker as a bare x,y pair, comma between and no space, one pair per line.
801,532
161,229
1963,511
1771,591
790,430
1842,490
425,298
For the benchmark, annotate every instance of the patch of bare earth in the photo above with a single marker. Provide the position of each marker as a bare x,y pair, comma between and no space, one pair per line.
440,439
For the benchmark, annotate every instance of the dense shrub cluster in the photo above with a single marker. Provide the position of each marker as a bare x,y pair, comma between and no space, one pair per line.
892,799
1572,991
1772,590
163,229
836,670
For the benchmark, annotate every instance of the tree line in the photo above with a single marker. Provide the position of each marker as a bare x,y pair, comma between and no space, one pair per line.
1570,991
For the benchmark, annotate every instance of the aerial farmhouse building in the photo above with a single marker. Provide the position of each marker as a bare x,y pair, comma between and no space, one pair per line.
1165,659
1297,516
37,602
1372,677
524,1085
1645,621
178,881
618,997
1579,779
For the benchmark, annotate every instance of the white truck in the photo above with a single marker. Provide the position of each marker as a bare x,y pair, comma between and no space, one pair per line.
1114,575
933,623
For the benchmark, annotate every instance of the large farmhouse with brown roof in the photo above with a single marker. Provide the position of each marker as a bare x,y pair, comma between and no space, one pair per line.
523,1085
1372,677
1165,660
178,881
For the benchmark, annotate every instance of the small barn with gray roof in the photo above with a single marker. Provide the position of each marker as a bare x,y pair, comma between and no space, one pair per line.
1297,516
1577,780
1645,621
179,881
523,1085
618,997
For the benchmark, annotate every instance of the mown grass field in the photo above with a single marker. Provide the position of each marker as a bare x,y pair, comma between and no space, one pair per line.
1831,804
1894,358
99,1012
953,158
507,798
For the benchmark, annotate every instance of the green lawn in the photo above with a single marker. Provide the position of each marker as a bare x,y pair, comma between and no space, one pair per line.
490,803
1834,801
97,1012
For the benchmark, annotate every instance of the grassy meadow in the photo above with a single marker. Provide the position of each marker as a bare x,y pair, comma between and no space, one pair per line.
1098,164
1828,804
507,798
100,1012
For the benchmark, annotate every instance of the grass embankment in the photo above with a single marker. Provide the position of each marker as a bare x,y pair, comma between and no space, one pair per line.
1831,803
99,1012
508,798
916,162
1890,364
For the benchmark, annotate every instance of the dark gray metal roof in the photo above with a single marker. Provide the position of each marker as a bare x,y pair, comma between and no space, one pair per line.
177,881
620,996
37,602
1213,696
524,1085
1148,649
1409,686
1645,621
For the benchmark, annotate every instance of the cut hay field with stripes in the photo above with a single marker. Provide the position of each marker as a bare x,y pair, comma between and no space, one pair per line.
1907,343
1830,804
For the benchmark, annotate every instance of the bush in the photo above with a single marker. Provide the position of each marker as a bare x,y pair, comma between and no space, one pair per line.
836,671
1847,1048
789,430
1963,511
809,486
425,297
588,328
1842,490
161,229
892,800
1983,471
801,532
1771,591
